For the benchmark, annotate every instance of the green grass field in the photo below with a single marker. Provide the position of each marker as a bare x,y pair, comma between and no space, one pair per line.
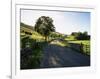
70,37
85,43
37,36
60,43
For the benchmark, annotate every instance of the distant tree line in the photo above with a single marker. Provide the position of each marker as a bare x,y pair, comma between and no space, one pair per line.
81,36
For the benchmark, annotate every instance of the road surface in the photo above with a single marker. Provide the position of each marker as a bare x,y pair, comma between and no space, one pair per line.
57,56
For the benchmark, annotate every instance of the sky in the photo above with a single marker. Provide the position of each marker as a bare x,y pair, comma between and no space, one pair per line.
65,22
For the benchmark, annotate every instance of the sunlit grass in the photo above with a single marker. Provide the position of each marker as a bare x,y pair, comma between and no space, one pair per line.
26,29
37,37
60,43
85,42
70,37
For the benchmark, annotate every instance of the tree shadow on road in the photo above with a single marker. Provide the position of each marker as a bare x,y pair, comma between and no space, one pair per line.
58,56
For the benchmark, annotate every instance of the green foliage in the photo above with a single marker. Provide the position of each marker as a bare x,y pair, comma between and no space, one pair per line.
25,41
44,26
85,44
31,53
81,36
56,35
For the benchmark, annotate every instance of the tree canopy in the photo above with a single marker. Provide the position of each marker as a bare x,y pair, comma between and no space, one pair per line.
81,36
44,26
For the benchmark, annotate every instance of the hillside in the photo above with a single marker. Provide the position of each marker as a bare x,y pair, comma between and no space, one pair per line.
25,28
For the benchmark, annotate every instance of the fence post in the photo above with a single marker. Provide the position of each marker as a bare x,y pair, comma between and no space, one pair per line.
81,47
87,49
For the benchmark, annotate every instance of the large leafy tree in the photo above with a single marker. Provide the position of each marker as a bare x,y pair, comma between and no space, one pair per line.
44,26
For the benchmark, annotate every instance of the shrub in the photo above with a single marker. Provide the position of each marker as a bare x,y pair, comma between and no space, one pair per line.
31,53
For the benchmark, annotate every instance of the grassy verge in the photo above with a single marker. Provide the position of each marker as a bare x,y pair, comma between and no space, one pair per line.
85,42
85,45
60,43
31,50
69,38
